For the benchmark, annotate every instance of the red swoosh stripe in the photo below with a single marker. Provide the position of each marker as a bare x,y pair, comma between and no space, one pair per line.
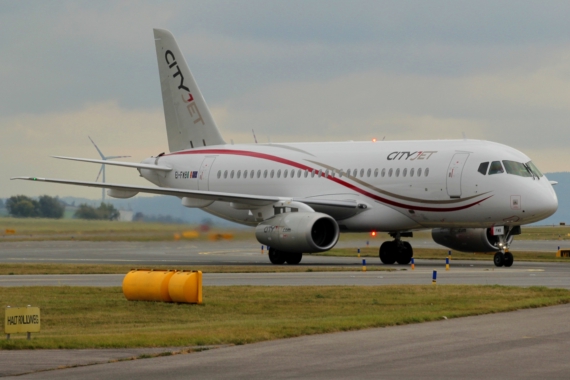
334,179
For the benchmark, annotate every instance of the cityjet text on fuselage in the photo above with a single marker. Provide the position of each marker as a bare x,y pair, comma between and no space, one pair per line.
411,156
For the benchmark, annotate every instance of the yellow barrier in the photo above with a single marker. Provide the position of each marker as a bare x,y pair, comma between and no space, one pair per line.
147,285
163,285
215,236
186,287
563,253
190,234
10,232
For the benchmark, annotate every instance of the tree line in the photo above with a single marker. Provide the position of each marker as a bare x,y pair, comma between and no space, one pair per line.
21,206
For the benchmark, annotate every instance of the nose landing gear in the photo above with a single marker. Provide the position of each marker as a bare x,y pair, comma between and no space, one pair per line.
397,250
503,259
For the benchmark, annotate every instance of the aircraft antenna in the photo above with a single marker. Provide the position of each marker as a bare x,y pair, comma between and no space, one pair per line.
254,138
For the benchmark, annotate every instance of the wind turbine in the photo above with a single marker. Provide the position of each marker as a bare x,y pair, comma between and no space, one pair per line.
105,158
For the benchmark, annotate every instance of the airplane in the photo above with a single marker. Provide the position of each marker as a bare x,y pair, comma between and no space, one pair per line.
474,195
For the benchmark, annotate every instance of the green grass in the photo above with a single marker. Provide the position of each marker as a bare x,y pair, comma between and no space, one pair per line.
88,317
31,268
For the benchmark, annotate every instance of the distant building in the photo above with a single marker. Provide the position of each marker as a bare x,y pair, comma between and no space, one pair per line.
126,216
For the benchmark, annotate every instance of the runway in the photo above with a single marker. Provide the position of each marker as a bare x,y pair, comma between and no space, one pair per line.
522,344
555,275
191,252
526,344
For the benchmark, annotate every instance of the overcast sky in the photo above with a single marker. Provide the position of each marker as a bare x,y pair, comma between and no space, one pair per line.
291,70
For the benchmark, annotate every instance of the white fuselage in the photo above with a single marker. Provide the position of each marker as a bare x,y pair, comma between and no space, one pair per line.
405,185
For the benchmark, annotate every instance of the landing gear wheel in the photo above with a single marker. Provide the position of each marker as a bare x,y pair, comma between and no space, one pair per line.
276,257
508,259
405,253
294,258
388,252
499,259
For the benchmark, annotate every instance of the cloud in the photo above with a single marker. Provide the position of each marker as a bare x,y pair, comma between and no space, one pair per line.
29,141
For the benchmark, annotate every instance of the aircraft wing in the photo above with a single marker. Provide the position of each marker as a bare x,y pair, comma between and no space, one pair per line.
118,163
253,200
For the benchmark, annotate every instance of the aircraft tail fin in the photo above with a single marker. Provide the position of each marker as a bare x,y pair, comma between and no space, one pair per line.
189,123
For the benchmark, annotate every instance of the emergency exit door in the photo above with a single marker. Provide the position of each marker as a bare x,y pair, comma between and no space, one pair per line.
204,173
454,174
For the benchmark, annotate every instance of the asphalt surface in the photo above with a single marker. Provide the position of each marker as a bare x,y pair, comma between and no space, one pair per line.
555,275
527,344
523,344
188,252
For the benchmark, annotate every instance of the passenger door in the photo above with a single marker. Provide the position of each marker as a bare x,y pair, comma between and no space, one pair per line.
454,172
204,173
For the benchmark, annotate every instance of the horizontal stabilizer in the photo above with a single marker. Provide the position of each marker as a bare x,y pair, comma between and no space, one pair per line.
118,163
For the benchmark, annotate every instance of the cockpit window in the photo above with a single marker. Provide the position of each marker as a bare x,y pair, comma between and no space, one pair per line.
483,168
534,169
496,168
516,168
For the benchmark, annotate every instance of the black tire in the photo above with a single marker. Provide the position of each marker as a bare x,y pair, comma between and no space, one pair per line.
294,258
509,259
276,257
388,252
499,259
405,253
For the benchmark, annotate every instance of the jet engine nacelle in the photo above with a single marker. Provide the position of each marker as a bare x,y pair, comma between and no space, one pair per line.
299,232
468,239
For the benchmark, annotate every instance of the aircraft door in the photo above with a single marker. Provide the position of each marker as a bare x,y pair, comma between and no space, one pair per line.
454,174
204,173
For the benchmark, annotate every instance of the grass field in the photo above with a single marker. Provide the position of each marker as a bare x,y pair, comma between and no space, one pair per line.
88,317
32,268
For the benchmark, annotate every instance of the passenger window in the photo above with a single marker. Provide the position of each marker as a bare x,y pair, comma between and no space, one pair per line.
368,172
426,172
232,174
411,172
390,173
245,174
219,173
265,174
272,173
258,173
361,173
404,172
375,172
383,172
239,173
279,173
251,174
496,168
398,172
419,172
226,174
483,168
285,173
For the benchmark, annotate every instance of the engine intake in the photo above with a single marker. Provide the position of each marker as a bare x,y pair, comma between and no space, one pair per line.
299,232
468,239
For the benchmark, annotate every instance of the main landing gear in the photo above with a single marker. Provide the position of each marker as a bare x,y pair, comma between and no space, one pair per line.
280,257
397,250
